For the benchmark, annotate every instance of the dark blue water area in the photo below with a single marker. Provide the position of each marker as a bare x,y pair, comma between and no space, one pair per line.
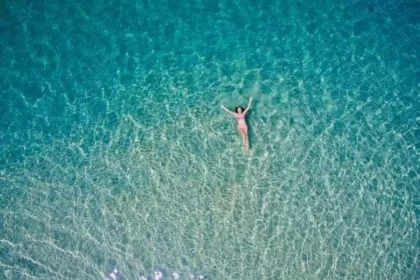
69,54
82,48
61,62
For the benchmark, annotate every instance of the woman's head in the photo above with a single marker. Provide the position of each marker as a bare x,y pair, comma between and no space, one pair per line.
239,109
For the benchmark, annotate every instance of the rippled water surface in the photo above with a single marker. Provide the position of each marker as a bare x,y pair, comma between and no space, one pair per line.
114,150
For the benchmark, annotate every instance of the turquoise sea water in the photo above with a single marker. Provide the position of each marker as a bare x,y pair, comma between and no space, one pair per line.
114,150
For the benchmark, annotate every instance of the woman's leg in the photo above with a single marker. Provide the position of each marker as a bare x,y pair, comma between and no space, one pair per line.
245,139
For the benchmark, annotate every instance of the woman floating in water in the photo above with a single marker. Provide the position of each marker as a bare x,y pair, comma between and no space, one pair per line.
242,127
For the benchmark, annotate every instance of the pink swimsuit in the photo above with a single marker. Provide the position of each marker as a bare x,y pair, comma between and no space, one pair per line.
242,124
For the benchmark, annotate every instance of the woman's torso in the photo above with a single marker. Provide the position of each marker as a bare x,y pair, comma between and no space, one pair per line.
241,119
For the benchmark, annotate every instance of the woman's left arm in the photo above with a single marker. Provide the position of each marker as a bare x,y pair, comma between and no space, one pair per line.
249,105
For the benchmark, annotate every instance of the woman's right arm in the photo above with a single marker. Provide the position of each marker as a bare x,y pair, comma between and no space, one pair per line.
227,110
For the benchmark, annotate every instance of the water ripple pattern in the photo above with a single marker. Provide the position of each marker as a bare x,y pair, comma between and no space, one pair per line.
115,153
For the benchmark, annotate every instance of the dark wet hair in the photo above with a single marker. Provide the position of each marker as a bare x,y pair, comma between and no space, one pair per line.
237,108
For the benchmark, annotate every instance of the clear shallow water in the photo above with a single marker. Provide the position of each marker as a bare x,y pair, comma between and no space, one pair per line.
114,150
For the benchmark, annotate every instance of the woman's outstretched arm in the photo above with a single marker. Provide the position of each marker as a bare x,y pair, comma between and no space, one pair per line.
227,110
249,105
